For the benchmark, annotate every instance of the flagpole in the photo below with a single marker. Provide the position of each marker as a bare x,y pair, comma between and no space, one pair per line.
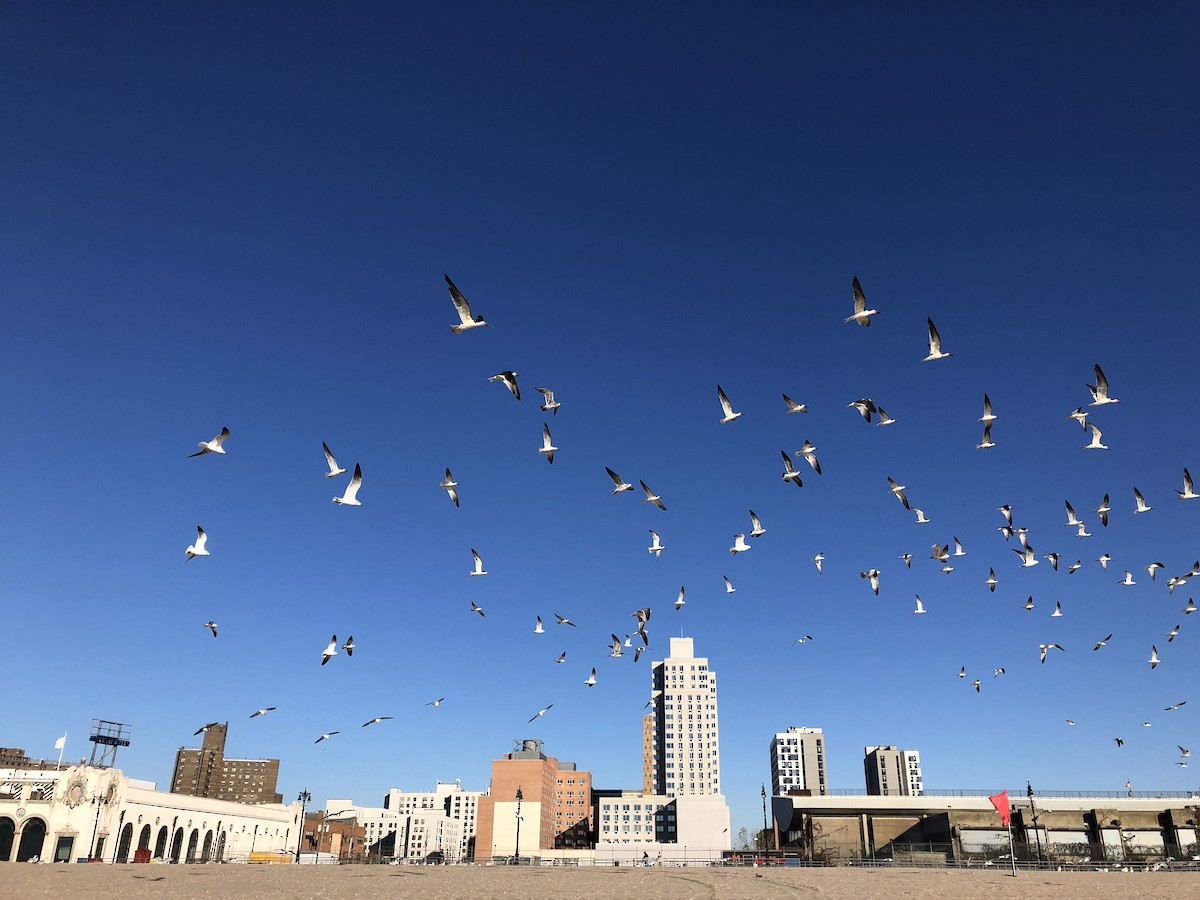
1012,854
61,748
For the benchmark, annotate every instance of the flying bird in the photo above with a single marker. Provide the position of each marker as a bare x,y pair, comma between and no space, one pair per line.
205,728
793,406
756,528
326,736
907,558
509,378
726,407
1101,643
1028,558
540,713
1188,492
1074,567
449,485
679,601
1128,579
884,418
1142,505
1029,603
1183,751
1175,706
620,485
935,344
996,673
789,471
1100,390
958,548
1153,660
803,639
1153,568
329,651
331,462
1057,614
987,418
538,629
1190,608
809,452
1120,741
1103,559
729,588
348,646
861,315
1097,434
547,447
739,544
466,320
1044,648
476,608
437,702
551,405
865,406
920,610
350,497
986,443
1172,634
198,548
922,519
562,657
818,560
976,681
563,620
478,570
652,497
375,721
991,580
211,626
262,712
873,576
591,679
1072,519
656,546
1103,510
898,489
1053,558
213,446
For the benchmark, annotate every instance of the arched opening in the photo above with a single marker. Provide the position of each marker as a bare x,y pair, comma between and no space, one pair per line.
144,838
221,846
124,842
33,836
176,845
8,830
160,845
207,851
193,843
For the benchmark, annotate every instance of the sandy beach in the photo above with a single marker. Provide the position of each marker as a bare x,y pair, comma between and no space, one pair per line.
135,881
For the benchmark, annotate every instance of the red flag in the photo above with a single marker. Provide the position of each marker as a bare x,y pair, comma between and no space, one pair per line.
1000,801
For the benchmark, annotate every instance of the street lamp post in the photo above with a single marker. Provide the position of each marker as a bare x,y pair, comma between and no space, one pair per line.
764,831
517,849
99,801
1034,816
304,797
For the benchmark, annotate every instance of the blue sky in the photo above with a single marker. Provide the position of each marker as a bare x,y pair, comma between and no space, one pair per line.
221,217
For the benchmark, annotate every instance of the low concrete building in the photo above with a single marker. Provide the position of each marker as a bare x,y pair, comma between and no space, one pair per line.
698,823
1066,826
90,811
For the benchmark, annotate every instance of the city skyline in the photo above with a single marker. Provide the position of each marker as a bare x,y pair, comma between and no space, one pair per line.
243,219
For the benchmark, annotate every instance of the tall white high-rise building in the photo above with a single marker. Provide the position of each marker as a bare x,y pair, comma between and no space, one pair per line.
686,759
798,762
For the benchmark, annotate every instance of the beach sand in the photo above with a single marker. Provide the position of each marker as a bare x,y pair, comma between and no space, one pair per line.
128,882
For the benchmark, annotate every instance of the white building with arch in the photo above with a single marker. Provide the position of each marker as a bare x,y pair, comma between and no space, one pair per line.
87,811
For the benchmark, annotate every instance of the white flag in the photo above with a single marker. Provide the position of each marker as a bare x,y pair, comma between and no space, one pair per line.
60,743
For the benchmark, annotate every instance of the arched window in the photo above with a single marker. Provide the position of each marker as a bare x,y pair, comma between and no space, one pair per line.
33,836
8,831
193,843
124,842
144,838
207,852
177,845
160,845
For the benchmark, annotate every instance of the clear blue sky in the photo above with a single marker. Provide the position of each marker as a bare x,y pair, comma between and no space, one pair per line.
216,216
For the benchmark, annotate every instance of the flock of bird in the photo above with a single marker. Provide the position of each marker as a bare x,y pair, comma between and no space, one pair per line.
871,412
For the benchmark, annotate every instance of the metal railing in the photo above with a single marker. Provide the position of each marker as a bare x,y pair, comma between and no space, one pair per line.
1015,794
